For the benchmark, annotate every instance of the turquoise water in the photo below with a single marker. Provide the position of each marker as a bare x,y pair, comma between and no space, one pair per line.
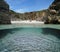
30,25
29,39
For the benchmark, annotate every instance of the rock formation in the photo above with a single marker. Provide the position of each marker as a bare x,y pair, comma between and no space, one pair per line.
54,13
55,7
36,15
4,13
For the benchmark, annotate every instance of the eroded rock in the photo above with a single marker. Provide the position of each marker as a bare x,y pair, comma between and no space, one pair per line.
4,13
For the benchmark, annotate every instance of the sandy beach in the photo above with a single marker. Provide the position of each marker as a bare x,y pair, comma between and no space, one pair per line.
28,22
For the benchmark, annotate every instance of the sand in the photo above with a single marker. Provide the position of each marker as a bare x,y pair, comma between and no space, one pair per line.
28,22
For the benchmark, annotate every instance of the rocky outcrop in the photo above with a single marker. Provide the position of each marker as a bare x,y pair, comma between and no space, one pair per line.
4,13
54,13
55,7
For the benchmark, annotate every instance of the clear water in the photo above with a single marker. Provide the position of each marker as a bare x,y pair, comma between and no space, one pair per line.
30,40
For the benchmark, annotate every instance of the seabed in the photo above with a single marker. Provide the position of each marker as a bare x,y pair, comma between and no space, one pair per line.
31,37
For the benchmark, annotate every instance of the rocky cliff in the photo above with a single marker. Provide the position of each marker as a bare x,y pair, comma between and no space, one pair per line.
4,13
54,13
35,15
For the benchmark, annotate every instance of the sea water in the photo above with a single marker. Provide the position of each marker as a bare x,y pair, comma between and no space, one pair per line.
30,39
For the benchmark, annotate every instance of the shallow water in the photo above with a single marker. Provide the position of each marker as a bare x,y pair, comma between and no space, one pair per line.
30,40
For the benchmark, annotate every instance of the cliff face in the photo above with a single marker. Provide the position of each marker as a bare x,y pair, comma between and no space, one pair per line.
55,7
54,13
4,13
36,15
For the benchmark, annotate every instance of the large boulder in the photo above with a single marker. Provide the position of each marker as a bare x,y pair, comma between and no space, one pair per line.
4,13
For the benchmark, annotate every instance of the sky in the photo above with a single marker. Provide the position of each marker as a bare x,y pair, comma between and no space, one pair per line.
22,6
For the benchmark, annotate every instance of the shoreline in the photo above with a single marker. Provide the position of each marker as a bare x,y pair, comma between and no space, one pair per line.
27,22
